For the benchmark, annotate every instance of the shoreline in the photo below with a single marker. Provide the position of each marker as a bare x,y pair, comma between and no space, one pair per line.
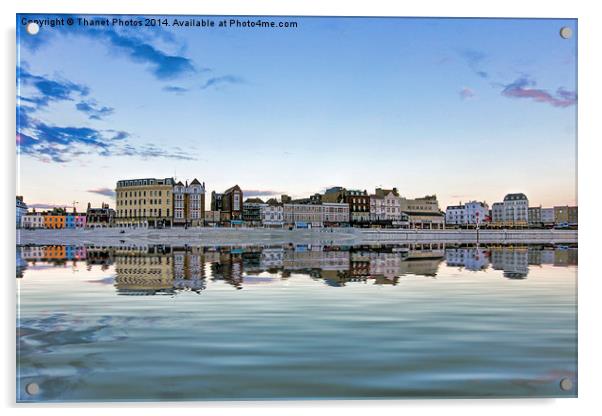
203,236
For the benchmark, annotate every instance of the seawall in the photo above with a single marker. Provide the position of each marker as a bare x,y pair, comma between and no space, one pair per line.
251,236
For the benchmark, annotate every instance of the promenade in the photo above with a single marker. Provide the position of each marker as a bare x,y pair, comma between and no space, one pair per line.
260,236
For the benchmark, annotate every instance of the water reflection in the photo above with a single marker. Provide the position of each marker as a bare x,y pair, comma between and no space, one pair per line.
159,269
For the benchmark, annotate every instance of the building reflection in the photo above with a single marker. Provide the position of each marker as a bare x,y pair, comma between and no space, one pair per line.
161,269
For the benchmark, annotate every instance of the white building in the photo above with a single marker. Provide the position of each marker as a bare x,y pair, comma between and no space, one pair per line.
272,215
471,213
32,220
385,204
455,215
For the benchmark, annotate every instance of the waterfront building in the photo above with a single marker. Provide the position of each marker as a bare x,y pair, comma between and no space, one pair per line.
573,216
303,215
385,205
189,203
423,213
359,206
216,201
21,210
334,194
497,213
100,217
32,220
251,211
80,220
70,220
455,215
54,219
514,211
534,217
144,202
470,213
272,214
335,214
212,218
232,204
547,216
316,215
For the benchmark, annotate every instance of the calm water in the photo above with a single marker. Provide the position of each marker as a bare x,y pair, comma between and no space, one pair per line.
201,323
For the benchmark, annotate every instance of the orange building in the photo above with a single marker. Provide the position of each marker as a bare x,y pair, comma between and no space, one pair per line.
54,221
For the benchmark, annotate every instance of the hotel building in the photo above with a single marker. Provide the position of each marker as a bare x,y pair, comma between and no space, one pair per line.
144,202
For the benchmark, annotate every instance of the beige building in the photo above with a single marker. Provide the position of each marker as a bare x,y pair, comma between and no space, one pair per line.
423,213
144,202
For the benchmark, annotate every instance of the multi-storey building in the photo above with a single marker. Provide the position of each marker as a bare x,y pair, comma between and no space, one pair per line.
534,216
516,208
144,202
561,215
100,217
251,211
272,214
471,213
303,215
547,216
32,220
514,211
455,215
80,220
573,216
359,205
497,213
335,214
334,194
54,220
189,203
216,201
316,215
229,204
385,205
21,210
423,213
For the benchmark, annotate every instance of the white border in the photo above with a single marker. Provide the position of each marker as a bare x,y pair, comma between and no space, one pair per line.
590,29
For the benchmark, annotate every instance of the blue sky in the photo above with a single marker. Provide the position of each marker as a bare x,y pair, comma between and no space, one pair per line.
462,108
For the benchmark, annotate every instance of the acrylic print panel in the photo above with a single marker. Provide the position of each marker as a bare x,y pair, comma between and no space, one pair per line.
228,208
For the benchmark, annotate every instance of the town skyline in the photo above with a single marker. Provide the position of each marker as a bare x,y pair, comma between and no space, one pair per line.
353,100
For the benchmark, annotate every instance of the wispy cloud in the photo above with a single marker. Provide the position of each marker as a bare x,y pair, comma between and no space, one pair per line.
103,191
466,93
93,110
523,87
62,144
259,192
474,59
175,89
162,65
225,79
48,90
